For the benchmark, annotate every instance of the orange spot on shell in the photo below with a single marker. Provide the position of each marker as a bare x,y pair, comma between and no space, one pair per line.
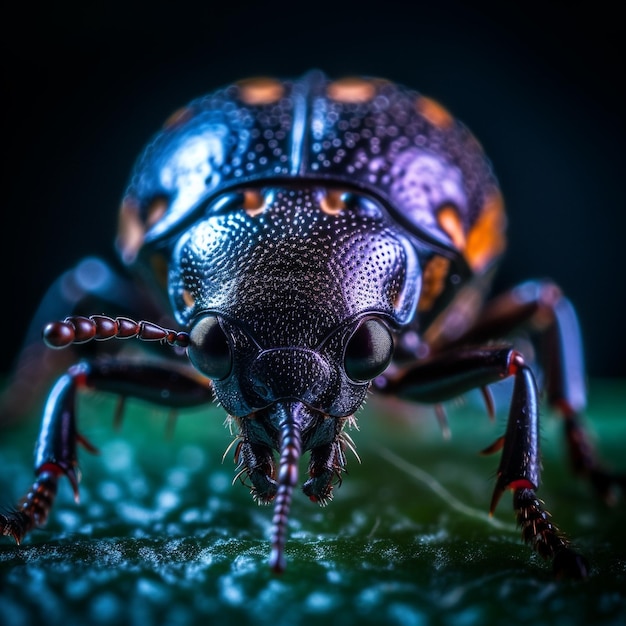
351,90
253,202
260,90
433,281
156,210
436,114
131,230
486,239
188,298
332,202
450,221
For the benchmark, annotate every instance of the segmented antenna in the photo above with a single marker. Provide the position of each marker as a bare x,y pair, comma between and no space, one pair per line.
78,329
290,452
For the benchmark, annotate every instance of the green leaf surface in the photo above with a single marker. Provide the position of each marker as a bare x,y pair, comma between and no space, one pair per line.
162,537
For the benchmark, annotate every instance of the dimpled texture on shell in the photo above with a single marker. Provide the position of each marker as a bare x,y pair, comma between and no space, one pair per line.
362,133
291,260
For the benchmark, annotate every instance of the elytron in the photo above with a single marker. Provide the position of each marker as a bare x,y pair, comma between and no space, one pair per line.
315,240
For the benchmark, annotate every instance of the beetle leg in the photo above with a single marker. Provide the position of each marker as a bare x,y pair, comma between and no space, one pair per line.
452,373
34,507
55,452
55,455
519,471
541,307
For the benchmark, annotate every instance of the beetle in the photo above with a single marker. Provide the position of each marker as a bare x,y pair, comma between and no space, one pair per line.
316,240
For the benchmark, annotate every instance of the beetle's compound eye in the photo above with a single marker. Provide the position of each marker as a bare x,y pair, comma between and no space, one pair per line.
369,350
209,349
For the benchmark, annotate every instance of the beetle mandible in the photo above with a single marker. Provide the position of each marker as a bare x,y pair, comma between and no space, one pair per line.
317,239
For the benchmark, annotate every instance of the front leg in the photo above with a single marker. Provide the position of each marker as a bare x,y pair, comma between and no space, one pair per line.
541,308
55,452
452,373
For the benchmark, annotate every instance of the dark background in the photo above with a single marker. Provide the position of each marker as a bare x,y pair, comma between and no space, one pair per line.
540,85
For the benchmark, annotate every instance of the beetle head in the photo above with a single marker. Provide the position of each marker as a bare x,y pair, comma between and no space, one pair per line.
291,304
292,294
